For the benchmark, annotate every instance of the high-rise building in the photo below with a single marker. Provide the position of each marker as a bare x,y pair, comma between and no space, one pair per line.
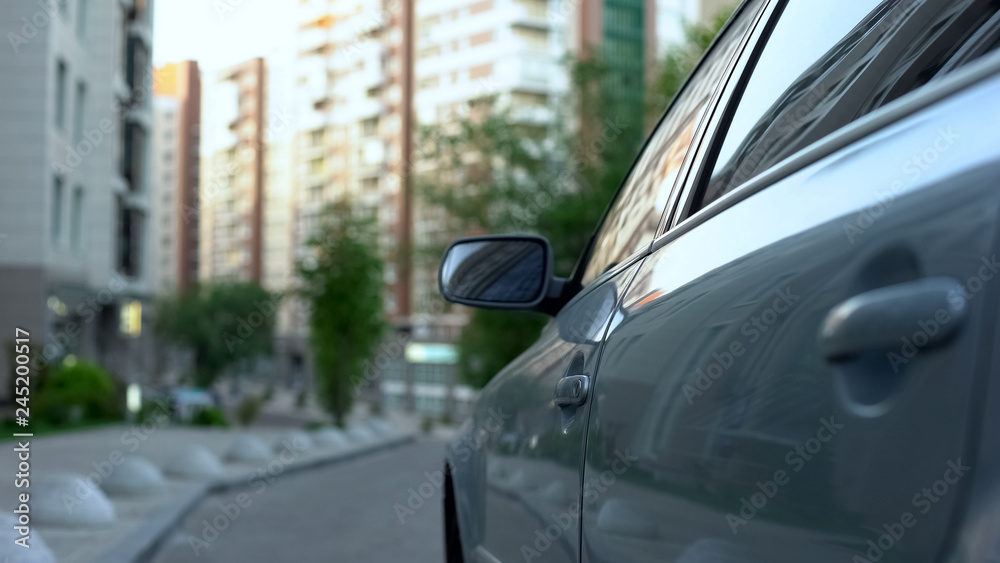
233,174
350,135
175,173
74,188
246,189
623,33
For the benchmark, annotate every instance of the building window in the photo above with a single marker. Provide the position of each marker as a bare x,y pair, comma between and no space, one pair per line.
429,82
481,38
528,99
480,7
369,127
57,203
480,71
76,219
60,94
533,38
316,137
80,106
432,51
316,192
316,166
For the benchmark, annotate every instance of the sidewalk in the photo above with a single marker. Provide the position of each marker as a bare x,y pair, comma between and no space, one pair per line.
141,521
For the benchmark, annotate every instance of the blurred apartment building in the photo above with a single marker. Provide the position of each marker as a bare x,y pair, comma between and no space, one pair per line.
175,169
231,198
244,206
74,186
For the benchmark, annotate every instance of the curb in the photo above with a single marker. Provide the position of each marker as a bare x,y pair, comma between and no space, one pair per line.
142,545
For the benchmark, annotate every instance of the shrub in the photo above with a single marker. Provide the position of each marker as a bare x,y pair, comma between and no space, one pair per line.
315,424
154,411
77,393
446,419
210,416
426,425
268,393
248,410
300,400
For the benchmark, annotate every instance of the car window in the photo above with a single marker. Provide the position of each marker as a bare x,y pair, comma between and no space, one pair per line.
829,62
635,215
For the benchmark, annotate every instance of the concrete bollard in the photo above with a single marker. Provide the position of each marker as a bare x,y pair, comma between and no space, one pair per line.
37,551
195,462
68,499
295,440
329,438
248,448
135,476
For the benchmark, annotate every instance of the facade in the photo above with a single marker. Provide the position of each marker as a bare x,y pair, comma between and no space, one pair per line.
74,183
231,199
624,34
175,170
348,143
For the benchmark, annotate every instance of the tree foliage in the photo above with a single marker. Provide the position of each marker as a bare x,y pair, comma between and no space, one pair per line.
82,387
342,284
680,60
221,324
492,170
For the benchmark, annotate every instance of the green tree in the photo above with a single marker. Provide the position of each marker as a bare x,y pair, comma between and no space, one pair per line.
221,323
680,59
492,173
342,283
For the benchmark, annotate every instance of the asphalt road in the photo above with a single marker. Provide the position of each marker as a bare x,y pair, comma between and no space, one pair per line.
344,512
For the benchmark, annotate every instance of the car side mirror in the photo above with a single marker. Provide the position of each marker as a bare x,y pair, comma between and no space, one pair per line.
500,272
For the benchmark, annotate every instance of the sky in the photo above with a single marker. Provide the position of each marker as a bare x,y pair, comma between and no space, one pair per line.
220,33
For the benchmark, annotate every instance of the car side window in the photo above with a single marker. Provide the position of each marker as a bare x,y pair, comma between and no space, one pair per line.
829,62
635,214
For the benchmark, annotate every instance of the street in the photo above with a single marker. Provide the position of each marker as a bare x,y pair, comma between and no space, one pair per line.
344,512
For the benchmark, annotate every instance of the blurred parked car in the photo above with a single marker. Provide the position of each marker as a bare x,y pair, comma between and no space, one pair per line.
780,342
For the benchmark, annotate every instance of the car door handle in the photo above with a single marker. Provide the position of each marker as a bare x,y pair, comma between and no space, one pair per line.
572,390
880,319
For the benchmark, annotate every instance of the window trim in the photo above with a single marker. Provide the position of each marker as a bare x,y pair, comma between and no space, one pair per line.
698,139
936,91
707,132
726,110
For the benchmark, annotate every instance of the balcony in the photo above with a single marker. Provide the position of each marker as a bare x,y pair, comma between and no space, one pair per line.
530,13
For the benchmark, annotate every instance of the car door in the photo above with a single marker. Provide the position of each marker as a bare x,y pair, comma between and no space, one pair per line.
794,374
519,489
